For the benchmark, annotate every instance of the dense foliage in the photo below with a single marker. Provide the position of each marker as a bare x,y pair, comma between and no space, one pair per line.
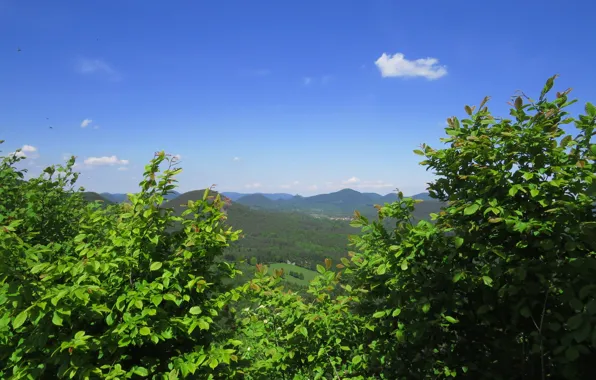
499,285
89,292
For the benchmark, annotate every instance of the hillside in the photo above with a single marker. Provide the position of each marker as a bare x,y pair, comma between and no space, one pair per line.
91,196
273,196
121,197
256,201
341,203
272,236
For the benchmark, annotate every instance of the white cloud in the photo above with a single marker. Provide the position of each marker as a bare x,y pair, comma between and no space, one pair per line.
398,66
177,157
122,168
253,185
85,123
97,66
26,151
350,181
106,160
313,187
236,159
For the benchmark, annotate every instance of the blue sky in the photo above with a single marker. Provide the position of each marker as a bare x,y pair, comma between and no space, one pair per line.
272,96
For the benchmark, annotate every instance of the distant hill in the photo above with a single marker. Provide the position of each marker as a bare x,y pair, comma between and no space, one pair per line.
423,196
121,197
256,201
91,196
341,203
273,196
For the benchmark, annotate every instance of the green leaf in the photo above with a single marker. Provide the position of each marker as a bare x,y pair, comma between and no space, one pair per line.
145,330
590,109
572,354
57,319
534,192
575,321
549,84
528,176
451,319
141,371
419,152
379,314
396,312
356,359
195,310
471,209
213,363
156,299
525,312
320,269
303,331
582,333
381,269
426,308
458,242
404,265
155,265
20,319
457,276
487,280
593,149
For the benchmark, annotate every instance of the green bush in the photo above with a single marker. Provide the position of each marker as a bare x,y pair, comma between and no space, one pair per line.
500,285
90,292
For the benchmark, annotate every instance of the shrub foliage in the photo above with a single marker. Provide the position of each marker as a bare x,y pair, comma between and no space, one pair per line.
499,285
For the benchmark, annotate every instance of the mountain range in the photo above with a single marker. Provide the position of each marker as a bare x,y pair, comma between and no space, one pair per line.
339,204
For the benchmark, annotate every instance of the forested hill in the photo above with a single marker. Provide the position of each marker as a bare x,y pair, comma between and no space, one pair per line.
273,235
341,203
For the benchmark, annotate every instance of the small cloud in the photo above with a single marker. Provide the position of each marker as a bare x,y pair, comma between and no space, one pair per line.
295,182
313,187
255,185
86,123
97,66
398,66
351,181
122,168
96,127
29,148
106,160
28,151
306,81
177,157
236,159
